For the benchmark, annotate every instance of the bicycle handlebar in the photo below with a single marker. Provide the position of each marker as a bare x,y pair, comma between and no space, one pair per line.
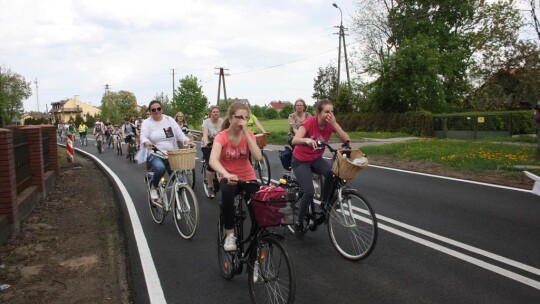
345,145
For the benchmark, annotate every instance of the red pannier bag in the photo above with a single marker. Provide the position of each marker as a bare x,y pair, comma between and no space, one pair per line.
271,207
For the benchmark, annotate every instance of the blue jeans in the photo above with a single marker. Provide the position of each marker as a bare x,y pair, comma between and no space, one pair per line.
159,165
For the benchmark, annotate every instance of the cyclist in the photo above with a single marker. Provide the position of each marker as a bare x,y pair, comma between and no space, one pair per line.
307,157
210,127
116,131
230,158
181,120
99,129
108,129
138,124
254,124
129,131
162,132
83,129
72,129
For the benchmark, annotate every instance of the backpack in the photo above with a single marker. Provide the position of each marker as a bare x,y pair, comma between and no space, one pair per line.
286,157
98,127
271,207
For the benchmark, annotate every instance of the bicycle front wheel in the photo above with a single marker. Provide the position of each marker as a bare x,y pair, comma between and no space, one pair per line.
271,276
352,226
228,261
262,168
186,212
189,177
156,209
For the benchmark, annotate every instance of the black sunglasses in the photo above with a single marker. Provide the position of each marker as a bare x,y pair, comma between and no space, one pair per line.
156,109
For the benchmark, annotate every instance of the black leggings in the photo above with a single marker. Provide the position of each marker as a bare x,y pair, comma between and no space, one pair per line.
228,192
304,176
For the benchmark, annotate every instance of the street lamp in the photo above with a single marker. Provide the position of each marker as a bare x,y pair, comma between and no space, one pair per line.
342,37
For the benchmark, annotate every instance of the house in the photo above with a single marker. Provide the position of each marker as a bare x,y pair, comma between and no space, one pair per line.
36,115
67,109
278,105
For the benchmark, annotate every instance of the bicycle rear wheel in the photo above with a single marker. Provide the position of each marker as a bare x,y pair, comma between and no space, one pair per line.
262,168
99,146
186,212
352,226
271,276
156,209
189,177
228,261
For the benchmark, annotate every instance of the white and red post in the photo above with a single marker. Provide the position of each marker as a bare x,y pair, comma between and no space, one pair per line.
69,148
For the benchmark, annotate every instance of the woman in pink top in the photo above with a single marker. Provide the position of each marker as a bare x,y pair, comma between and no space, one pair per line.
230,158
307,156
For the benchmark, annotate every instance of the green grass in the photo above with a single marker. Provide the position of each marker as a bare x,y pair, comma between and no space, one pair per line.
460,154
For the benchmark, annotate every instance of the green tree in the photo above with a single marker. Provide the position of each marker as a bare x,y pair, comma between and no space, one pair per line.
257,110
271,113
90,120
325,85
189,99
166,104
286,110
13,90
117,105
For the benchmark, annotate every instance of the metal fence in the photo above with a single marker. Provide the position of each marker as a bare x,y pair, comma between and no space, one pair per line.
21,147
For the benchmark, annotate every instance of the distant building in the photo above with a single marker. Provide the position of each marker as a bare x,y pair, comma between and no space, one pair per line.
66,110
36,115
278,105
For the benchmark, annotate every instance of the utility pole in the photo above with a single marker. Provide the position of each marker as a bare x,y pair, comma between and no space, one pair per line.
173,83
107,89
37,95
342,37
221,76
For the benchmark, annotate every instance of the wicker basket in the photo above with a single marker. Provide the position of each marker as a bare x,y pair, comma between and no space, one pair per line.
182,159
344,168
262,140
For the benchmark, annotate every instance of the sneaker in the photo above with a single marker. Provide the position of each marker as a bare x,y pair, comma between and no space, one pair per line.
154,194
299,231
230,243
256,272
211,193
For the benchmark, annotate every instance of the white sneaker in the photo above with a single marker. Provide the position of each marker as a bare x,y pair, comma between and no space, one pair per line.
153,193
256,272
230,243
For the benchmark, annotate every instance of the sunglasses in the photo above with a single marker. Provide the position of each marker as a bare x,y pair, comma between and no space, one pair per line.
156,109
240,117
180,116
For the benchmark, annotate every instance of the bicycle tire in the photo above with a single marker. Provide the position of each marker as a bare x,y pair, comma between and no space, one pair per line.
273,278
317,186
263,169
186,212
99,146
228,261
354,237
156,210
189,177
205,179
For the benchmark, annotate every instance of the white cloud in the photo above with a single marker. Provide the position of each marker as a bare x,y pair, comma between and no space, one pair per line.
76,47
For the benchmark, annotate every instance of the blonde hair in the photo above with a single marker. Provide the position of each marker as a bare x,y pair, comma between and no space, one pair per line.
183,116
230,112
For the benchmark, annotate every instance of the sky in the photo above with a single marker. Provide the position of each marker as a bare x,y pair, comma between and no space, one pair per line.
271,48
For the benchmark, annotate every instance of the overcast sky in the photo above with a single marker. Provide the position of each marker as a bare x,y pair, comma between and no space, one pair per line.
272,48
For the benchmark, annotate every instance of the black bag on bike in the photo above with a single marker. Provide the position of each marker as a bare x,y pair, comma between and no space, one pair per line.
286,157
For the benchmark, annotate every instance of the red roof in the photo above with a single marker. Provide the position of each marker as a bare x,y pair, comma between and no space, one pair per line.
278,105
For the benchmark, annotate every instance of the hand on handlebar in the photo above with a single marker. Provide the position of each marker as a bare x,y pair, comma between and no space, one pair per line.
230,179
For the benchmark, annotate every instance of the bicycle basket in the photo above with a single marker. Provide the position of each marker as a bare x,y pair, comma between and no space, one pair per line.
182,159
262,140
271,208
348,168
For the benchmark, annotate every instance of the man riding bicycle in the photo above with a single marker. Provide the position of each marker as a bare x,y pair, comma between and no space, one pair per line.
83,129
99,130
129,132
210,127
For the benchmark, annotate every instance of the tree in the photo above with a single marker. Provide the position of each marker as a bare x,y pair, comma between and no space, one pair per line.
535,12
449,34
271,113
325,85
13,90
117,105
189,99
166,104
286,110
257,110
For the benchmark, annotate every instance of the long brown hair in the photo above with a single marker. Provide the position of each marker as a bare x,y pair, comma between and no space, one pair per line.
321,103
230,112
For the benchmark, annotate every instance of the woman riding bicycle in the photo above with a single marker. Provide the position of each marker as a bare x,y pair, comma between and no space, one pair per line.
162,132
307,157
230,158
210,127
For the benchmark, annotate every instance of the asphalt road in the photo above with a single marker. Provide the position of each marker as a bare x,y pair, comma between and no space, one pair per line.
440,241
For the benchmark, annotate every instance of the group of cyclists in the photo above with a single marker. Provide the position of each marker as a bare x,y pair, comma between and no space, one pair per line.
228,143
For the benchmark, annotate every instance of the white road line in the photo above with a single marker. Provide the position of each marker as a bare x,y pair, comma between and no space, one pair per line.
153,284
463,246
475,261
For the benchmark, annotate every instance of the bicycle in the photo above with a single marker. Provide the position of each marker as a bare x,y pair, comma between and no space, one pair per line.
99,141
118,144
82,139
271,275
132,151
215,180
109,140
176,196
351,221
262,167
